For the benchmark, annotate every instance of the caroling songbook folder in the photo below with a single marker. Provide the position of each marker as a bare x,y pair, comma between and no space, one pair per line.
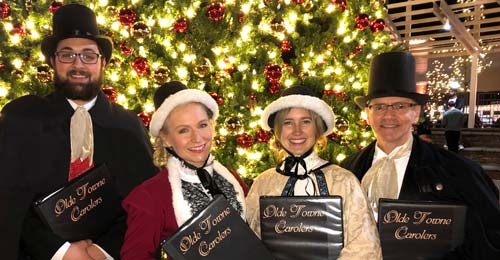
215,233
302,227
422,230
82,209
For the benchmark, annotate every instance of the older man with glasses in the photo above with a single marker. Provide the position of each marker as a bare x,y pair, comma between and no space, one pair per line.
398,165
45,142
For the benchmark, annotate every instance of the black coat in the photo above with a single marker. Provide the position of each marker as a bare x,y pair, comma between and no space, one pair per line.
463,181
34,161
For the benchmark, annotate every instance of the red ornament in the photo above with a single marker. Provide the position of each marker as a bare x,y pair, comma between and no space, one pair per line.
4,10
299,2
253,97
124,49
110,93
145,117
244,140
354,52
127,16
241,17
274,88
327,92
334,136
263,136
362,21
218,99
273,73
286,46
340,3
141,66
181,25
253,100
54,6
377,25
230,68
19,29
216,11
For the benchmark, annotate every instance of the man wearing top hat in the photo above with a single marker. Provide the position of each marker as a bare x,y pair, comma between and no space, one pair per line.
398,165
47,141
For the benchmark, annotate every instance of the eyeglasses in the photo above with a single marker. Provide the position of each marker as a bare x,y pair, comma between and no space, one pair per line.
70,57
399,107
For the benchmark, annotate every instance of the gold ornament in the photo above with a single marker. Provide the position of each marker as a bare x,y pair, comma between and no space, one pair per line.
234,124
277,25
308,6
341,124
140,31
17,73
220,141
44,74
111,10
161,75
28,5
273,4
114,63
203,70
219,77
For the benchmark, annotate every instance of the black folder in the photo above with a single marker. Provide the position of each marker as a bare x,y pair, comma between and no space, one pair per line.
422,230
82,209
215,233
302,227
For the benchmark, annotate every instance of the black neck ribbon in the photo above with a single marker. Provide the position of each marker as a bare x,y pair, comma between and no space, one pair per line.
206,180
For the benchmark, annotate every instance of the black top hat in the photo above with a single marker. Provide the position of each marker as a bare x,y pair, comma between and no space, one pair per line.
392,74
75,21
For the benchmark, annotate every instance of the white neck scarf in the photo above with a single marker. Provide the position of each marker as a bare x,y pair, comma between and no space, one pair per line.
381,180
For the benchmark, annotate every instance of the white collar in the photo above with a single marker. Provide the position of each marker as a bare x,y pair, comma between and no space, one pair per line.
87,105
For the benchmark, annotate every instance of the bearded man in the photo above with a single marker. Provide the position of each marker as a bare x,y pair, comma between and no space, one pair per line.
45,142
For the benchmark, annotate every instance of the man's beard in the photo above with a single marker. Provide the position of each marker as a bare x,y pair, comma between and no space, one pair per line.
79,91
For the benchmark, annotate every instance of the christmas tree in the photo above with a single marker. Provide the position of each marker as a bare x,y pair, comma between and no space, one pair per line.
244,53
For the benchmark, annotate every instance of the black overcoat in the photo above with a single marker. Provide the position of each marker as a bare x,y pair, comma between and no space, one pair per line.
439,175
34,161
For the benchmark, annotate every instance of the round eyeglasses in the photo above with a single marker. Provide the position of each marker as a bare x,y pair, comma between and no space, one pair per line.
70,57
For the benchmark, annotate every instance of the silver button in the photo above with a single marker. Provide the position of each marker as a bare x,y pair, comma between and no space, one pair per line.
439,187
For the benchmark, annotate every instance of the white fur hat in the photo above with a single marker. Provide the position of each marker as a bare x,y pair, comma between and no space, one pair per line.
175,93
302,97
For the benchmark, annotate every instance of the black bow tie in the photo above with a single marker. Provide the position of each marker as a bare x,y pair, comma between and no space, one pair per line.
291,166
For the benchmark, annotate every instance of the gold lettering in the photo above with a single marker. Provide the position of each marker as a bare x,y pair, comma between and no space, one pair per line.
420,216
402,233
63,204
96,185
77,213
188,241
224,213
206,247
206,224
82,191
282,227
273,211
393,216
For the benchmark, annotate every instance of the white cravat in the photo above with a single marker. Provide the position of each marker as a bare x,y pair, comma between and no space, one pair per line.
381,180
82,135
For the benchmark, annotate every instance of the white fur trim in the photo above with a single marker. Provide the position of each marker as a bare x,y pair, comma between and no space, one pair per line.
303,101
182,211
181,97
